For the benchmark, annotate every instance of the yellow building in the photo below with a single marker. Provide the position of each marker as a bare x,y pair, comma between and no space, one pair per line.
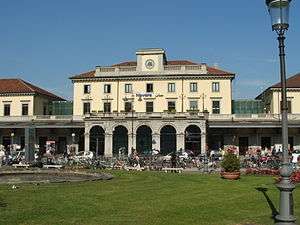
22,105
150,103
272,96
153,84
20,98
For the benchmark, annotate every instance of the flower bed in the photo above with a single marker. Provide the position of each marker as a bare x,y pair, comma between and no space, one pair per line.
295,178
262,171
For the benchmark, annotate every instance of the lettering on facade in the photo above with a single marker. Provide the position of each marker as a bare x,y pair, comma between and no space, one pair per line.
141,95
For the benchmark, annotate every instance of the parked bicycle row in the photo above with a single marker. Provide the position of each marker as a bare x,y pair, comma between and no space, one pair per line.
155,161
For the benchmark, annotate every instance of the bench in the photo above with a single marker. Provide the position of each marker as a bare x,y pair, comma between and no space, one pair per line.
167,169
52,166
20,165
128,168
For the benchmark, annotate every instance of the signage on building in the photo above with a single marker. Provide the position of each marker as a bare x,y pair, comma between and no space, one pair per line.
141,95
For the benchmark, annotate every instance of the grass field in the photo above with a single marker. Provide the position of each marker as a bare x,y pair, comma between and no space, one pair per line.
143,198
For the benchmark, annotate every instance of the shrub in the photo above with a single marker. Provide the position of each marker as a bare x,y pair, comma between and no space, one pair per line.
230,163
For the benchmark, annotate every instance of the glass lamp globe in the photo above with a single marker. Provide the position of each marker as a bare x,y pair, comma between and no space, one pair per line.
279,12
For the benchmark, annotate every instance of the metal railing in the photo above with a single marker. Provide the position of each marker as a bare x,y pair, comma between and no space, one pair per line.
41,118
151,115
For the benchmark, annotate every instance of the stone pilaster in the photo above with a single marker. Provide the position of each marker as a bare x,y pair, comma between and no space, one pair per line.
180,141
156,141
203,143
108,146
131,143
87,142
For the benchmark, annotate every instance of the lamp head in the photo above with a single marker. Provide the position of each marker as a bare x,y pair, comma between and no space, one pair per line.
279,13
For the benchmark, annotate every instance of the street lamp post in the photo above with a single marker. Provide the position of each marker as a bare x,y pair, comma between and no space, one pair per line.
279,12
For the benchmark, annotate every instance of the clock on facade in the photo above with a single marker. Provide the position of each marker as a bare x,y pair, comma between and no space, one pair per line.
149,64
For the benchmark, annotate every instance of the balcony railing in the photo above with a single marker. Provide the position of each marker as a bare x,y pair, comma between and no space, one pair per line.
145,115
152,115
167,69
251,117
40,118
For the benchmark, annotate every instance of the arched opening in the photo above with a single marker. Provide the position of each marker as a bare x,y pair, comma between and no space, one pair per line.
120,140
144,140
192,136
167,139
97,137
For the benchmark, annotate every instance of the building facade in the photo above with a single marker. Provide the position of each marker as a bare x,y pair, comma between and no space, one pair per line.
150,101
26,106
272,96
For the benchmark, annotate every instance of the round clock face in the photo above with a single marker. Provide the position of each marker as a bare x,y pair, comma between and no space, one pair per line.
149,64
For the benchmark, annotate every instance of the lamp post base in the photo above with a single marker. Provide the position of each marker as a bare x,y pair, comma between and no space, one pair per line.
286,210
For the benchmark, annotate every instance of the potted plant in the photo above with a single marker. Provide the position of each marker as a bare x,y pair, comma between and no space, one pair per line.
230,166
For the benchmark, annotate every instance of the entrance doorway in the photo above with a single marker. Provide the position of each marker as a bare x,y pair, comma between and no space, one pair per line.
42,145
144,140
167,140
193,139
120,140
265,142
97,136
243,145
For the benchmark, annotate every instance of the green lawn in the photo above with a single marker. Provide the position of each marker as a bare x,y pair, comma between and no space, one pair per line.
143,198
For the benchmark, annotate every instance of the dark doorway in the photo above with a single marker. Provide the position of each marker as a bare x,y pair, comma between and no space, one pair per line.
144,140
22,142
6,141
97,137
62,145
193,139
265,142
120,140
243,145
42,145
215,141
167,140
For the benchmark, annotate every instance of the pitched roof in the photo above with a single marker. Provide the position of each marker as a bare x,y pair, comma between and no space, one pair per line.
292,82
19,86
216,71
210,70
171,62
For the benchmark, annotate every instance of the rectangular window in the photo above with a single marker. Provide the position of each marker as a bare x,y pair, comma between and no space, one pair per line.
128,106
107,88
193,87
6,109
86,108
24,109
215,87
171,87
149,88
87,89
107,107
149,106
216,107
128,88
171,106
193,105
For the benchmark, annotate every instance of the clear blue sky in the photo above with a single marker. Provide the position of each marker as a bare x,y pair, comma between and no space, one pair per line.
45,42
